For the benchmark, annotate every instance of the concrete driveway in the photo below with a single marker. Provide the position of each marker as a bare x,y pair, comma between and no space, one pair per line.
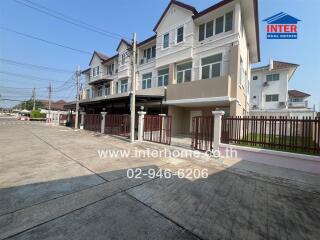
53,185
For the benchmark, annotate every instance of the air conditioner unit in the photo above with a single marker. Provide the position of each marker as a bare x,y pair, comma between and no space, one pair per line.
282,104
265,84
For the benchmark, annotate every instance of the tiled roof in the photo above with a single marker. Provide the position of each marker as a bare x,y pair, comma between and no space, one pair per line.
296,93
277,65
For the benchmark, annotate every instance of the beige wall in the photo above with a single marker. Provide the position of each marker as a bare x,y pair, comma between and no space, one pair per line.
215,87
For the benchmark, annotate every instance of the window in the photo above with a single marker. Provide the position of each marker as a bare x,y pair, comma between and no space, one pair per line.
209,29
124,86
184,72
272,98
219,25
123,58
146,80
166,40
107,90
179,34
201,32
88,93
148,54
211,66
272,77
229,21
110,69
99,91
163,76
95,71
255,78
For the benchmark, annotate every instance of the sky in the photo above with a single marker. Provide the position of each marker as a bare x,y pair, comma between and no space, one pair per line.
122,18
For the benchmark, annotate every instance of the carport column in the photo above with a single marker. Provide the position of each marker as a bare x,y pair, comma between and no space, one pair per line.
103,121
140,125
217,129
82,120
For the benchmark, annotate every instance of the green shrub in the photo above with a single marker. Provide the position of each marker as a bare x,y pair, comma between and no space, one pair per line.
37,114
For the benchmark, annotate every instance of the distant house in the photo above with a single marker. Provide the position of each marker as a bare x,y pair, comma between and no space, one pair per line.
270,94
58,105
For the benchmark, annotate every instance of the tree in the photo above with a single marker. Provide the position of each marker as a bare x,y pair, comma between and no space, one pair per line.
29,104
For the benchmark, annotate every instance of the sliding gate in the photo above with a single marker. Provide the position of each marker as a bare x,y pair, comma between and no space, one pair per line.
202,133
92,122
117,125
157,129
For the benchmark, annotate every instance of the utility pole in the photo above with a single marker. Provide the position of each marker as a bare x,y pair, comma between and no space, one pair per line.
49,101
34,99
77,97
133,90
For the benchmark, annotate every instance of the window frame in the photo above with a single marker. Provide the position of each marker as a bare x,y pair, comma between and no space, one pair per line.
163,36
215,27
162,76
99,91
210,66
178,35
107,90
123,85
184,72
272,75
146,80
271,97
225,21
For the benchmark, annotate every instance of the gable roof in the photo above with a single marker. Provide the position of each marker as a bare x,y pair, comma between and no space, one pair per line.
296,93
212,8
180,4
281,18
277,65
147,40
123,41
100,55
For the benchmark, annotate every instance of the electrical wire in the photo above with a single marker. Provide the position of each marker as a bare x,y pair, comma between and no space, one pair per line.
70,20
28,76
46,41
29,65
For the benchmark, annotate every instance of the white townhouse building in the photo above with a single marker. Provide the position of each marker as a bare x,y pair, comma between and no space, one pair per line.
195,62
270,94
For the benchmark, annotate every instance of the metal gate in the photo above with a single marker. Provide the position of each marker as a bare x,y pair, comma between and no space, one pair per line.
157,129
92,122
117,124
202,132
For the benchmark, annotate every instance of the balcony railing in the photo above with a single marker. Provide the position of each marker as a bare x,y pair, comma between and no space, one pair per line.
303,104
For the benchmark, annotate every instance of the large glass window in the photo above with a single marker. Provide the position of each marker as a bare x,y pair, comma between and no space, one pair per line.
107,90
184,72
229,21
209,29
99,91
272,98
179,34
211,66
148,54
124,86
163,77
166,40
219,25
273,77
201,32
110,69
146,80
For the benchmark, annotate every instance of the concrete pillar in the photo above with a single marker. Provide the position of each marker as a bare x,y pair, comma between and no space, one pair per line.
141,125
217,129
82,120
103,121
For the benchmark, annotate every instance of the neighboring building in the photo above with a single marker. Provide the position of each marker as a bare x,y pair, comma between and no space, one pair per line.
195,63
269,94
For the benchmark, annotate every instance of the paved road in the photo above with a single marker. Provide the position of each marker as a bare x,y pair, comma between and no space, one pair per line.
53,185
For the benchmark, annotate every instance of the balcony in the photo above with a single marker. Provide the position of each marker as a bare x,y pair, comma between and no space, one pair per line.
199,92
100,78
303,104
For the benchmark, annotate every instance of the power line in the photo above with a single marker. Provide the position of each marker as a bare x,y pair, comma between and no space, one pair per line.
28,76
24,64
70,20
44,40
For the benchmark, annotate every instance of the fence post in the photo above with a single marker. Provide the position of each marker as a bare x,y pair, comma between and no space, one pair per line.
141,125
217,129
82,120
103,121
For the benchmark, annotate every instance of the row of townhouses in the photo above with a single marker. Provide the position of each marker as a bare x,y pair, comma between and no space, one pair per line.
195,62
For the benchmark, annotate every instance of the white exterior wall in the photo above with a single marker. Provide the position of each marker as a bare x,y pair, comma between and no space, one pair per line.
274,87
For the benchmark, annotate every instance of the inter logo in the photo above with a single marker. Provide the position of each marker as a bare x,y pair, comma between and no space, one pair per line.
282,26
